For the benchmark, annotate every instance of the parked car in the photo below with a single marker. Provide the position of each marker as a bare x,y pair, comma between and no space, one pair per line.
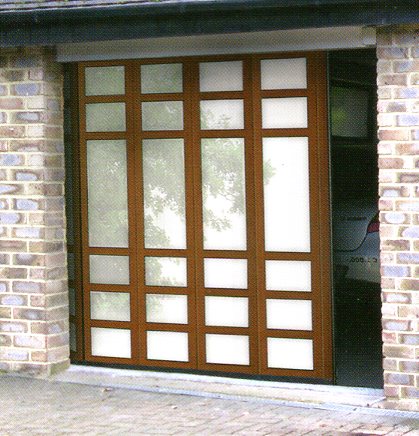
356,242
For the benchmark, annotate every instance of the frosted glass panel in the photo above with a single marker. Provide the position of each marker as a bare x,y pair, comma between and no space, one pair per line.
161,78
289,314
221,76
162,115
223,191
288,275
164,193
165,271
225,273
105,117
167,308
105,80
227,349
107,173
72,301
284,113
167,346
284,73
227,311
110,306
222,114
112,270
111,342
73,337
286,194
290,353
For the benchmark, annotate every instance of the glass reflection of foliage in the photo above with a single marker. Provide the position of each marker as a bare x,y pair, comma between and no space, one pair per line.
107,194
161,78
223,178
162,115
110,305
164,189
165,271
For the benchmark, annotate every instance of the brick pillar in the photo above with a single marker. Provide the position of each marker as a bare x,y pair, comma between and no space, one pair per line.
33,275
398,120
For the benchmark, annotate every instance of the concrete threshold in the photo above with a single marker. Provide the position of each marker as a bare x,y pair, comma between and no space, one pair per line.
293,394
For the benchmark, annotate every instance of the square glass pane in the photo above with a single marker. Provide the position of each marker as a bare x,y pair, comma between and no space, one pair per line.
289,314
167,346
105,80
110,306
284,113
165,271
167,308
164,193
290,353
161,78
227,349
227,311
105,117
221,76
225,273
107,214
224,193
162,115
72,301
284,73
111,342
222,114
288,275
111,270
286,194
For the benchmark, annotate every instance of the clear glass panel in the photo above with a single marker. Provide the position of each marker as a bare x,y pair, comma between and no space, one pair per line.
107,173
223,191
221,76
290,353
167,346
105,117
284,73
161,78
164,193
72,301
288,275
70,266
227,311
222,114
350,111
162,115
284,113
286,194
111,342
165,271
73,337
225,273
110,306
105,80
112,270
289,314
167,308
227,349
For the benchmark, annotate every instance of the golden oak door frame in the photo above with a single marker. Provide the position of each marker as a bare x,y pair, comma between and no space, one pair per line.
193,134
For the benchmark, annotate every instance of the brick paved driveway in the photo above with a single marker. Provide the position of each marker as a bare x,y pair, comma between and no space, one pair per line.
40,407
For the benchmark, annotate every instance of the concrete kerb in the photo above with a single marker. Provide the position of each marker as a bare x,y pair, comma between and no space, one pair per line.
324,397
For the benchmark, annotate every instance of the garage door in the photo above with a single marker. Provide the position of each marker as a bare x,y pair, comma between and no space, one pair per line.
204,214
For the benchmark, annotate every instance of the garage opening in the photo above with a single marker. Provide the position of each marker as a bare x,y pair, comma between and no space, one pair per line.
354,182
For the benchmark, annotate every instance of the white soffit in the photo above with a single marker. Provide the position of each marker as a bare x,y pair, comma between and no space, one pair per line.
233,43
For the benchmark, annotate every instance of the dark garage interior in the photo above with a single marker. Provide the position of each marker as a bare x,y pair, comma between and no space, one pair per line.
354,191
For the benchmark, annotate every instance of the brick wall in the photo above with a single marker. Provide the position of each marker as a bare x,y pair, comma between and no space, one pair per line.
398,120
33,285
